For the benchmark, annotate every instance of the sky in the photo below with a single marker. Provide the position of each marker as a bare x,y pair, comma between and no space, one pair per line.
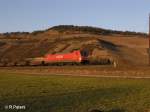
31,15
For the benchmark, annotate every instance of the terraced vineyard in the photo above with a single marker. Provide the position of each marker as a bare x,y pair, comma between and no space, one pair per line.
126,48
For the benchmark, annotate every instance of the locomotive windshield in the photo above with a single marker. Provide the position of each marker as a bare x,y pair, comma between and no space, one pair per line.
84,53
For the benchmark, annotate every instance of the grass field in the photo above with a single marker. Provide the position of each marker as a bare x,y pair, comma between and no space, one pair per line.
43,93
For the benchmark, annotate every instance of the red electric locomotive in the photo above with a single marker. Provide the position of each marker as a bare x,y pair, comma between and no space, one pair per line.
74,57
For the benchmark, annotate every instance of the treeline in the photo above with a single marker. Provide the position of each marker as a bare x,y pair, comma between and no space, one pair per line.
93,30
15,33
9,34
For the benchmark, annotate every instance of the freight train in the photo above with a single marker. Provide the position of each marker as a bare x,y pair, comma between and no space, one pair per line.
76,57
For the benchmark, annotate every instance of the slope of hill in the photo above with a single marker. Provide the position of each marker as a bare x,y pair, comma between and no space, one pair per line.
127,48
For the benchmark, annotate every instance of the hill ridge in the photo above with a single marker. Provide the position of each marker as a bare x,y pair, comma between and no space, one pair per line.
85,29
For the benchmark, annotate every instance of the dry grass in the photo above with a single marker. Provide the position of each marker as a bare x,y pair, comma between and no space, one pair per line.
91,71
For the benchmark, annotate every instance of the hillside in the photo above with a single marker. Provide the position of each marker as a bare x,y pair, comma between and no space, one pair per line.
127,48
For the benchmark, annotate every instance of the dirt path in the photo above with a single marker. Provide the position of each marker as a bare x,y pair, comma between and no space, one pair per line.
104,76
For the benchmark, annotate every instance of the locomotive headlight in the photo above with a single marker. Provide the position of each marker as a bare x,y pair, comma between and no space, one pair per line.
80,59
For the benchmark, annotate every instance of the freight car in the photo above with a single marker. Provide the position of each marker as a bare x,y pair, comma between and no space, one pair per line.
74,57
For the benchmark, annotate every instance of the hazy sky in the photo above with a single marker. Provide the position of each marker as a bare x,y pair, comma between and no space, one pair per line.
30,15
